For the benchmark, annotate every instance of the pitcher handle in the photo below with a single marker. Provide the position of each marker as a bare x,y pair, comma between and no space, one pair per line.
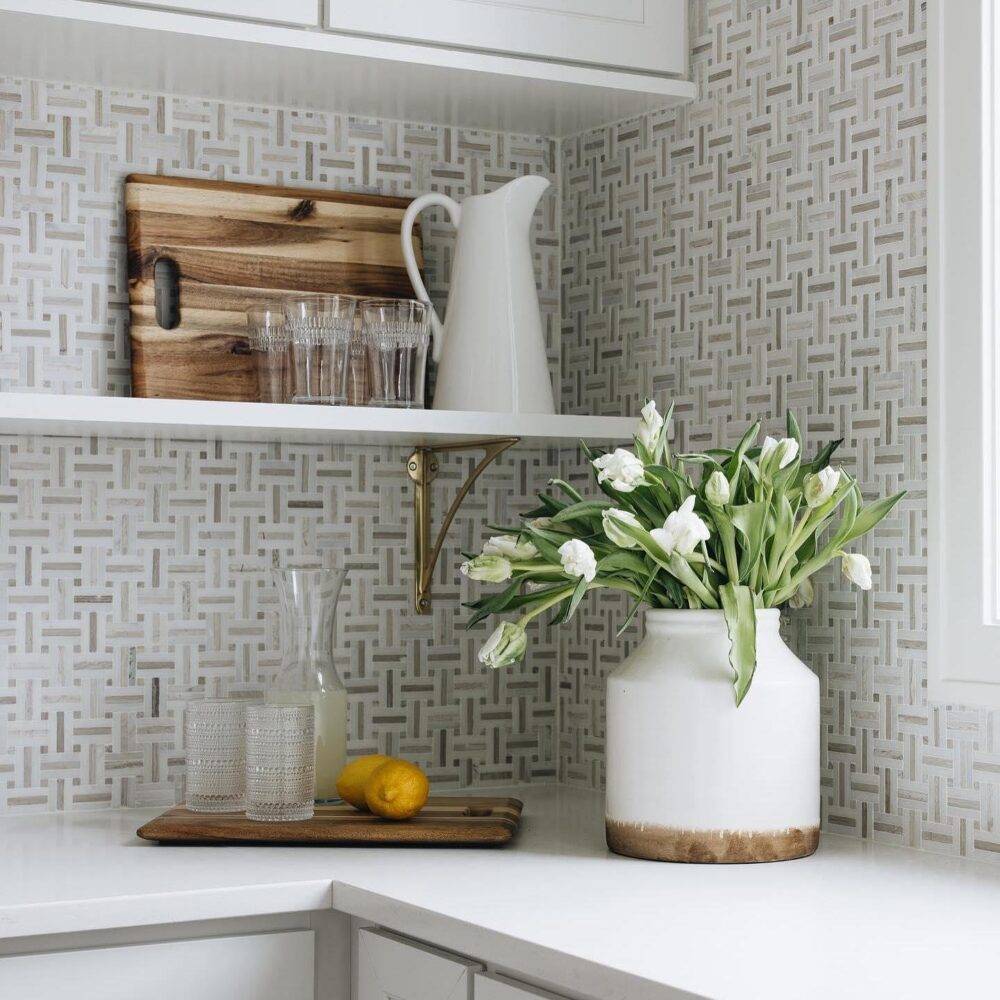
415,207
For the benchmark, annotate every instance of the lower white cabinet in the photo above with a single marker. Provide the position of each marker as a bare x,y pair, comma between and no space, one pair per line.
487,987
246,967
392,968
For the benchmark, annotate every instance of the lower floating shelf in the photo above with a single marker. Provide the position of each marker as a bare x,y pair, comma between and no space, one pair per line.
121,417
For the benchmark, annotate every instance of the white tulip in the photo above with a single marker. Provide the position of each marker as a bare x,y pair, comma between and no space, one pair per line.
682,530
717,490
803,596
621,469
541,523
505,646
650,426
489,569
612,520
781,453
818,488
511,547
578,559
857,569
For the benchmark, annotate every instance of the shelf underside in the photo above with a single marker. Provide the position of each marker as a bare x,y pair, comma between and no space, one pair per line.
145,50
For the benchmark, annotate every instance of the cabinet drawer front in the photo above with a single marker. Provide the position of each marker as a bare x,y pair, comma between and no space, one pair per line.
283,11
249,967
636,34
492,988
392,968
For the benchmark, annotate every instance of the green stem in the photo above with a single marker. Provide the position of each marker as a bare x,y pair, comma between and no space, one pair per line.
725,528
799,537
557,598
805,571
561,595
681,568
706,560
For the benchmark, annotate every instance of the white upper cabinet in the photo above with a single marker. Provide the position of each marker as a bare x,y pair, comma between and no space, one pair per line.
531,67
280,11
646,35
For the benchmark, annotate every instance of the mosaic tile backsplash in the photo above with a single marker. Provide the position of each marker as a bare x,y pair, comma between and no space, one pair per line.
765,248
761,248
135,574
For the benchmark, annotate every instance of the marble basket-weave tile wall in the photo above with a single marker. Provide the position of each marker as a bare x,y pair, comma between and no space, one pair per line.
760,249
134,574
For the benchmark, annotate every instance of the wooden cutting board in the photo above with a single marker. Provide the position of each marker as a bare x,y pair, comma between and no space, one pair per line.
235,246
454,821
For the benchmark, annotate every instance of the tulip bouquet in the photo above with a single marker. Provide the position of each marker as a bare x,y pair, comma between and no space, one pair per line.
750,532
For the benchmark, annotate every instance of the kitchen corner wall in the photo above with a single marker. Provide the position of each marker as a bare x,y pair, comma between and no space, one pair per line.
134,575
760,249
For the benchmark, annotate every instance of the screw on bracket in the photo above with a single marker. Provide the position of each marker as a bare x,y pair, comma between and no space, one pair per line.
422,466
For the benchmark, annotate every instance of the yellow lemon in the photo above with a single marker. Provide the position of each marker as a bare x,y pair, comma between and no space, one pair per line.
352,780
397,790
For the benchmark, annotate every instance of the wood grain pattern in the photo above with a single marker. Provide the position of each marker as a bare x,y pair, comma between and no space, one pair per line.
238,245
446,821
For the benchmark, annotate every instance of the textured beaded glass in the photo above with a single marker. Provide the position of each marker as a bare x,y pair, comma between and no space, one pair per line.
215,742
281,762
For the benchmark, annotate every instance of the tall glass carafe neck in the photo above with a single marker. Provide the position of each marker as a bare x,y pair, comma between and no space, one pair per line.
308,629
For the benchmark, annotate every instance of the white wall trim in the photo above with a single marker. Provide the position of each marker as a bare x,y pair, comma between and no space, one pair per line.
963,356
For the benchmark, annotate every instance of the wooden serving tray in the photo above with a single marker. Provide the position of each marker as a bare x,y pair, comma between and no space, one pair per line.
453,821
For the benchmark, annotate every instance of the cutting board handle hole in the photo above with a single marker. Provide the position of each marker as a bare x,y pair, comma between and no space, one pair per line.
167,293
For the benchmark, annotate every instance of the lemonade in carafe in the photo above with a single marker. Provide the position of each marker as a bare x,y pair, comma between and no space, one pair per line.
308,675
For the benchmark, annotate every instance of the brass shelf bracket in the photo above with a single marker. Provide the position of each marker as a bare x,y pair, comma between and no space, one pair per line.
422,467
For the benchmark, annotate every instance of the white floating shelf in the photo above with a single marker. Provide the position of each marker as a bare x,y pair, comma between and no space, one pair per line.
128,48
187,419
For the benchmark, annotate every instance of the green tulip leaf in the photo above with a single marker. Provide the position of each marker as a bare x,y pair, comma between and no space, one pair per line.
741,620
870,516
582,509
567,489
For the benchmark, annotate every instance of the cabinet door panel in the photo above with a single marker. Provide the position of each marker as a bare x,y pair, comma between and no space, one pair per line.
493,988
636,34
285,11
249,967
393,968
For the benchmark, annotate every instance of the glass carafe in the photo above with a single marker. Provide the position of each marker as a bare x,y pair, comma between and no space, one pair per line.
308,675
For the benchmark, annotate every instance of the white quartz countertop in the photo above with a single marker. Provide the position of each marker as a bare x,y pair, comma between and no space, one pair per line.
854,920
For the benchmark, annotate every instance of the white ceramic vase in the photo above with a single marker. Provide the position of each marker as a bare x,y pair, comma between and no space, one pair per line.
691,777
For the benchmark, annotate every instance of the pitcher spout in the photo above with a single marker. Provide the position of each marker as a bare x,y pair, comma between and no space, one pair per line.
522,196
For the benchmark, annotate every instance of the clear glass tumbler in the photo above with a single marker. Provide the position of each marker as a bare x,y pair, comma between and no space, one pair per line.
215,742
320,328
281,762
267,333
396,333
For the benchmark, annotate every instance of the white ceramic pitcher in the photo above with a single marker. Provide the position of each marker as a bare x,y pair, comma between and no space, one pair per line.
490,349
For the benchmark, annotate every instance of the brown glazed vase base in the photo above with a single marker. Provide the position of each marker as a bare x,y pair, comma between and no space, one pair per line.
719,847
